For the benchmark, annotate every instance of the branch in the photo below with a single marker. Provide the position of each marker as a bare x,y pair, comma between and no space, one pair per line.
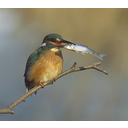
9,108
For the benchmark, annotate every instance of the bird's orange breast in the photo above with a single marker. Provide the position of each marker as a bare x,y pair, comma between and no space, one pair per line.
47,67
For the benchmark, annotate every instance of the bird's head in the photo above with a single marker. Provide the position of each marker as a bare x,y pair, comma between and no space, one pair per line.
55,39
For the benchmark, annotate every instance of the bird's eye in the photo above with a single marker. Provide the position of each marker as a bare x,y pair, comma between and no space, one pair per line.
53,40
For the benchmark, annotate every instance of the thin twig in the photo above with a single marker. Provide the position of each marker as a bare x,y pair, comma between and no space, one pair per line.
9,108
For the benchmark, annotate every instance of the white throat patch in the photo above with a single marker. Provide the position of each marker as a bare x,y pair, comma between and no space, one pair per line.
55,49
43,44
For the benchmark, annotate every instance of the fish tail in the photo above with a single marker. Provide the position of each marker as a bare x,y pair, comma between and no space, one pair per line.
100,56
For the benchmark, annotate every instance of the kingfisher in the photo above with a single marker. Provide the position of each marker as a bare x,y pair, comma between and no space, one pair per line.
45,63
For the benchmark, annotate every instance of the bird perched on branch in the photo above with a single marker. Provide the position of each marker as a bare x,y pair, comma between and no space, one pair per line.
46,62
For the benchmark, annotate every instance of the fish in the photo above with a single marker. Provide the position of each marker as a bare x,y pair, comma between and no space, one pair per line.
83,49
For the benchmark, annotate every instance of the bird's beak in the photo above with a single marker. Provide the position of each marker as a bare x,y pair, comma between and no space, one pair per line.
67,42
62,43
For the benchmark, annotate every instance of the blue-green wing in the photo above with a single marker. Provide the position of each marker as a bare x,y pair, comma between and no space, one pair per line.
31,60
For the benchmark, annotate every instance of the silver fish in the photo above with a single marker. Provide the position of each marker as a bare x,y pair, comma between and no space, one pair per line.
83,49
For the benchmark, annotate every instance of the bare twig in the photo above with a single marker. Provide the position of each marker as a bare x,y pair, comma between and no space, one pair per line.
9,108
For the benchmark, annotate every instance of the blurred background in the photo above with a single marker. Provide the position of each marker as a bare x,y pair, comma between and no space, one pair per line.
84,96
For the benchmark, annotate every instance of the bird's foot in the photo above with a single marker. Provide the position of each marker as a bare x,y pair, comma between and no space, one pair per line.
41,84
55,79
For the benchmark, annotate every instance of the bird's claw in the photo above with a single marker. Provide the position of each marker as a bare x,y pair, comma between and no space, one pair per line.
55,79
41,84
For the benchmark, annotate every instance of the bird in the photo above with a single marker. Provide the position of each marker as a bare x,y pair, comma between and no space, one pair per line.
46,62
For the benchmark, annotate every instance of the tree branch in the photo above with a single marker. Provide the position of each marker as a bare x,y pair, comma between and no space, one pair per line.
9,108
